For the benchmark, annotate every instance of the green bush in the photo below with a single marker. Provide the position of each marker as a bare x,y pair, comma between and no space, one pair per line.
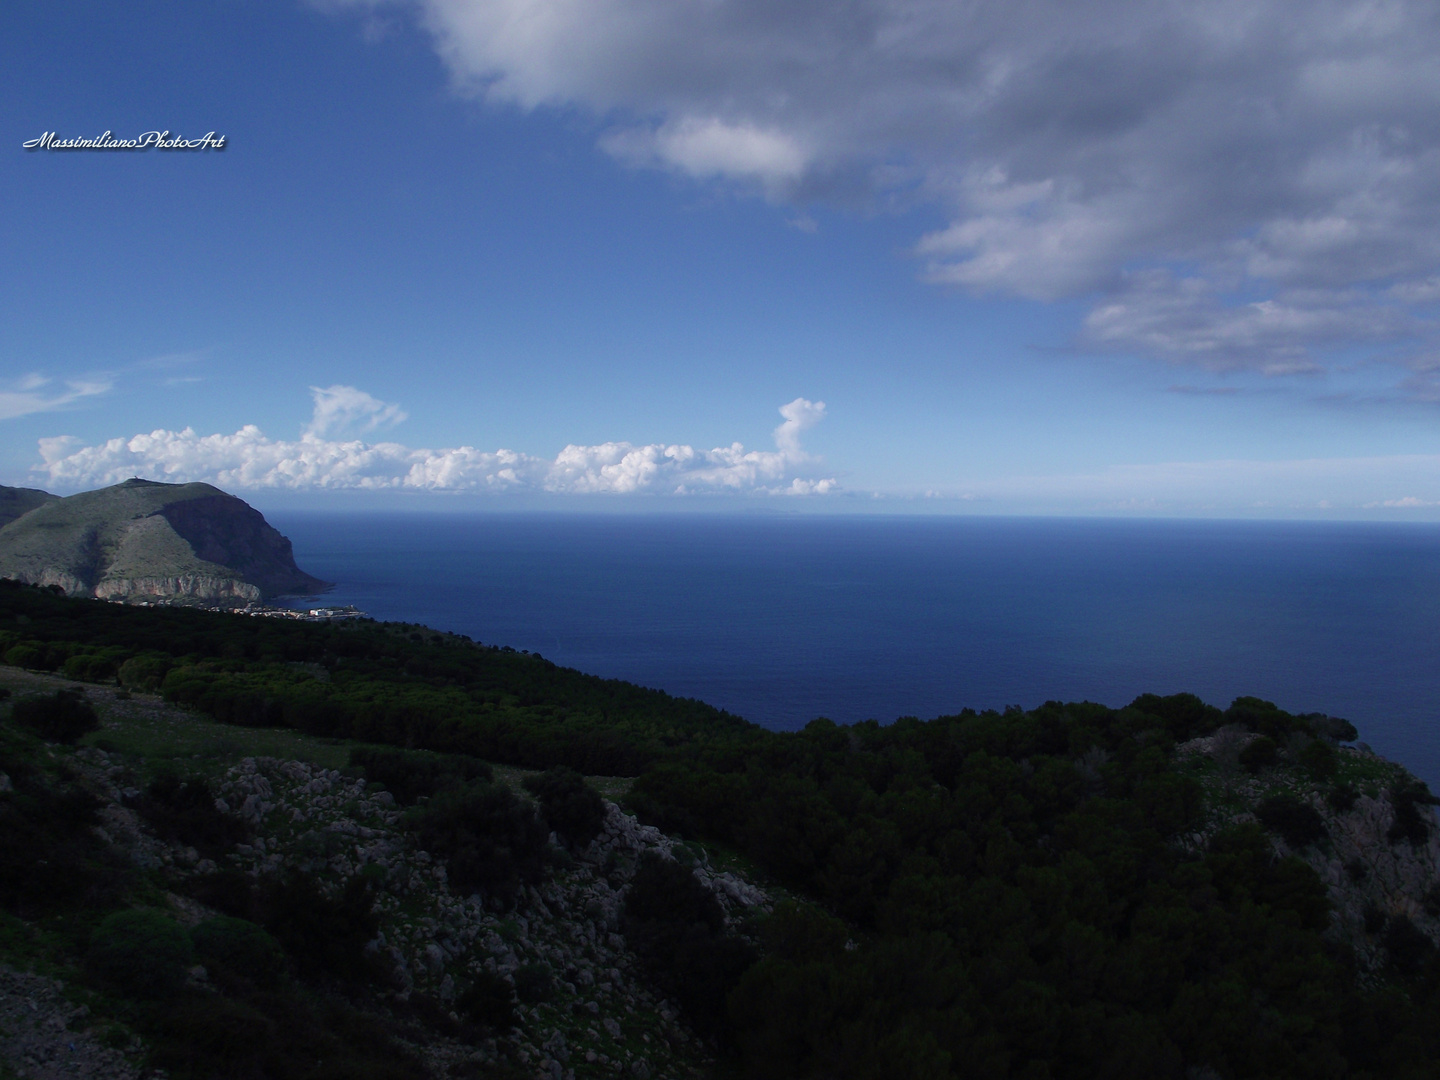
1342,797
183,811
88,667
1261,753
488,837
1411,823
677,927
572,807
1319,759
25,656
144,672
226,945
534,983
60,717
1297,823
324,934
412,774
50,857
488,1001
141,952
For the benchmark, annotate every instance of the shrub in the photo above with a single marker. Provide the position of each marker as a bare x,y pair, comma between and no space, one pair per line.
1342,797
61,717
324,934
141,952
533,983
677,927
226,890
49,856
411,774
1261,753
25,656
183,810
1411,823
87,667
1375,919
572,807
227,945
144,672
1319,759
1332,727
488,1001
1297,823
1407,945
488,837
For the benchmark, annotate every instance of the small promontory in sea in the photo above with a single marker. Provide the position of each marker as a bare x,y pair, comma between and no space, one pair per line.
143,539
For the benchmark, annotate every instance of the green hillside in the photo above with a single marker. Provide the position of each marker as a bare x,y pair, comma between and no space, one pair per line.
17,501
1167,889
142,538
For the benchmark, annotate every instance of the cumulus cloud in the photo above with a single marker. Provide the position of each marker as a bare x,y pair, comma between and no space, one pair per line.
33,394
1280,152
249,460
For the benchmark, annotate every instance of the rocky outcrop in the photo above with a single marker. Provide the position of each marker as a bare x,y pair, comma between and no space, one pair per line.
600,1018
1376,875
151,540
46,1037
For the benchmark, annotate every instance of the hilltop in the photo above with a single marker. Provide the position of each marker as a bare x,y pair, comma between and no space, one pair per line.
148,539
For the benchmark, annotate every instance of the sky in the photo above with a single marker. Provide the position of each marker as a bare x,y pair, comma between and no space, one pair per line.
1020,257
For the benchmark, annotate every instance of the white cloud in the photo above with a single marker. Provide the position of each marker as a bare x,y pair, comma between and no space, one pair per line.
250,460
340,409
800,415
1409,502
28,394
1263,150
712,147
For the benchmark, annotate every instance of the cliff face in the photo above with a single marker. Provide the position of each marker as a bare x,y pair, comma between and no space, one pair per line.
142,538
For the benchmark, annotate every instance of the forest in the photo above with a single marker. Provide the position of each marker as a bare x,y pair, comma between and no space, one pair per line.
1048,893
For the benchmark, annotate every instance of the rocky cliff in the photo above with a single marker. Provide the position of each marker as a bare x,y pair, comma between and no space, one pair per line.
147,539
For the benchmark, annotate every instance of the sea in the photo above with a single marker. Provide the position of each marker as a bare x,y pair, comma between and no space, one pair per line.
782,619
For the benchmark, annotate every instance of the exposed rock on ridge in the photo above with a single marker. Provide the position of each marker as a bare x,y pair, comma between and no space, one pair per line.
146,539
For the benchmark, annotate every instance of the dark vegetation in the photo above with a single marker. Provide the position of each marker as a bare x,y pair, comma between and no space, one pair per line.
411,775
979,895
62,717
571,806
382,683
286,992
677,928
490,839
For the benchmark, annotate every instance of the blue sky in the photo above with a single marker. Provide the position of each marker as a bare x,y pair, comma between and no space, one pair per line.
1031,258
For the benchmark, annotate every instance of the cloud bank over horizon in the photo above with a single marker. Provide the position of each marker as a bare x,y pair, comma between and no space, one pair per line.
249,460
1236,187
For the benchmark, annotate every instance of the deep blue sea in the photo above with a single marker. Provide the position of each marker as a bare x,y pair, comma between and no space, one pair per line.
782,619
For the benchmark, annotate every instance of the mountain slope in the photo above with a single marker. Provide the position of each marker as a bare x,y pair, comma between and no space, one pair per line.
143,538
15,502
